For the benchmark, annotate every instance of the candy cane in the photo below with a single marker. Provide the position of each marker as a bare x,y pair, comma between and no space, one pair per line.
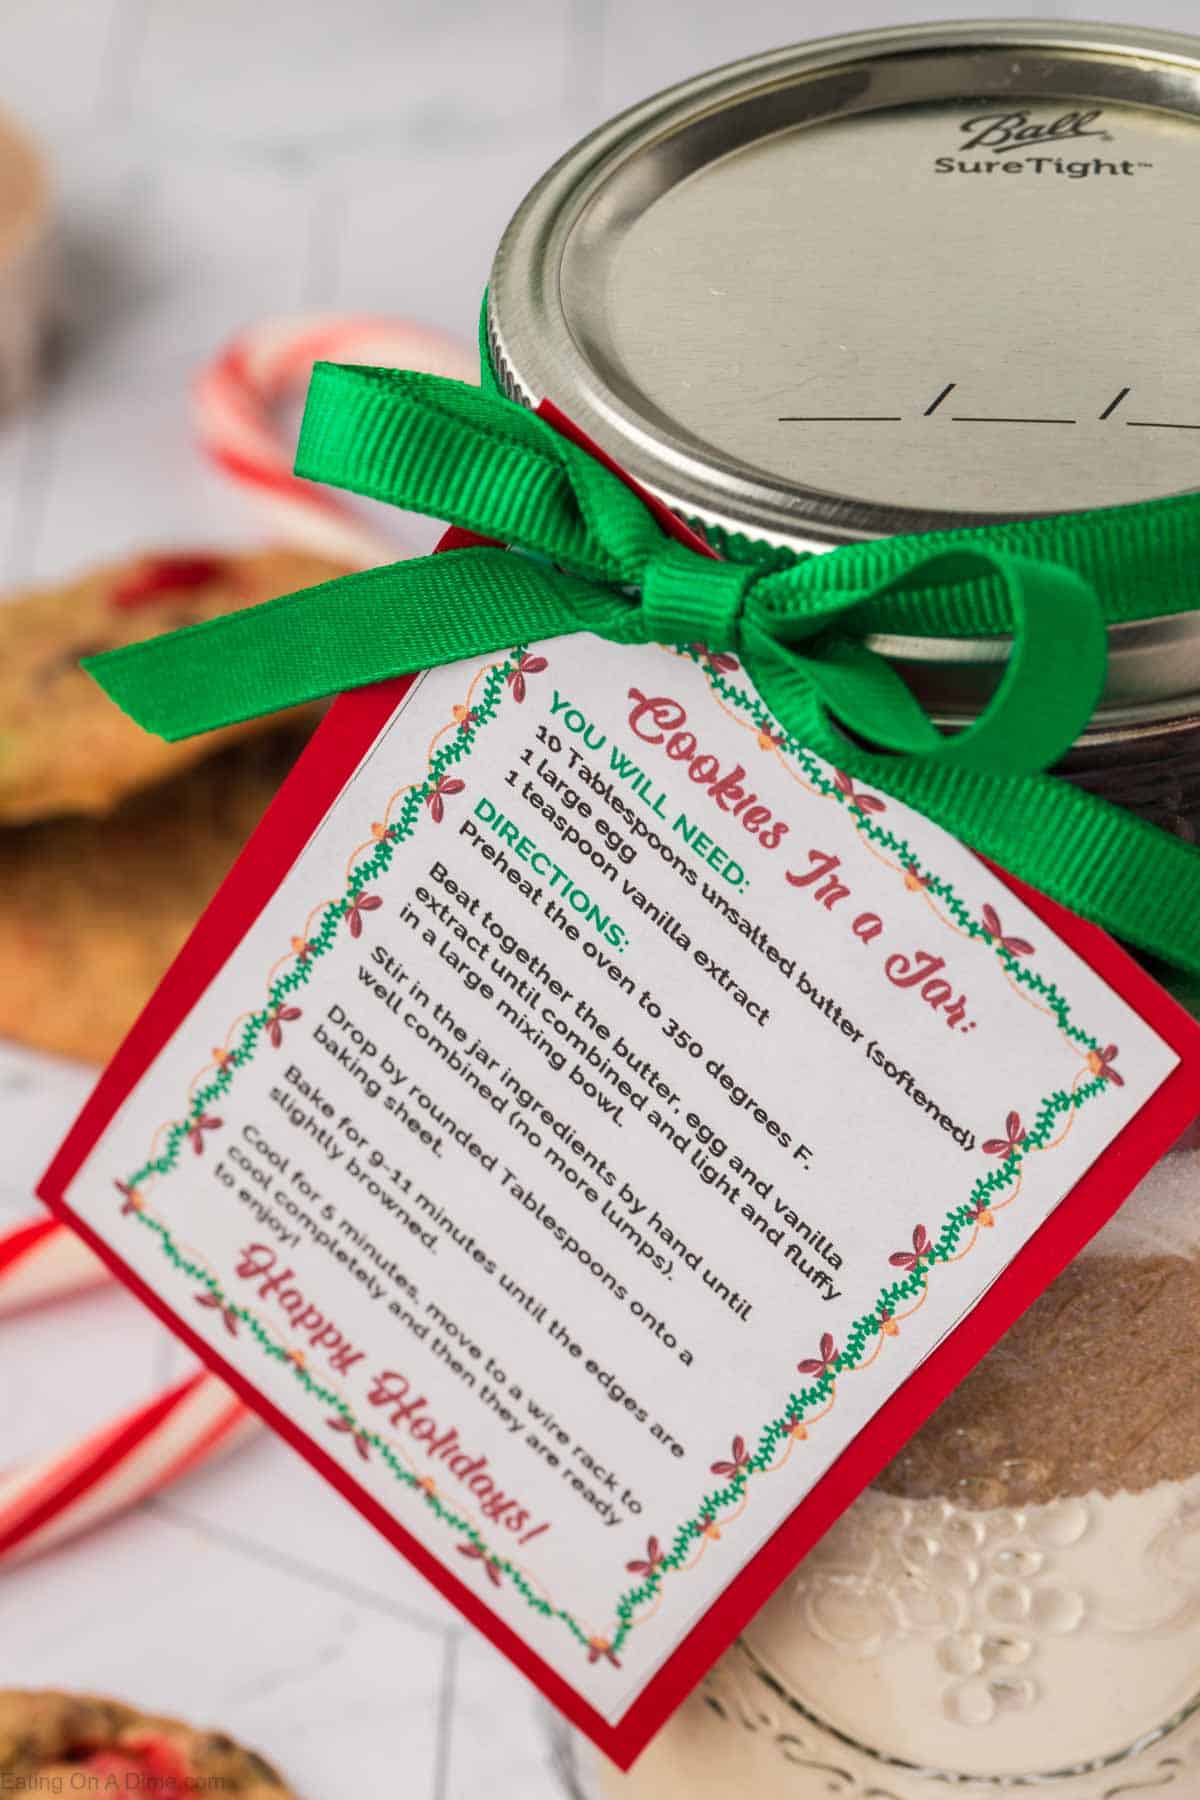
236,396
41,1260
45,1502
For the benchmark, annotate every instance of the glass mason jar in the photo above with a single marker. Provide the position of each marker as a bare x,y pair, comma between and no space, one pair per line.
910,281
1017,1599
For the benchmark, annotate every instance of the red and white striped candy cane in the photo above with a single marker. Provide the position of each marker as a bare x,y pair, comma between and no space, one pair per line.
41,1260
238,396
53,1498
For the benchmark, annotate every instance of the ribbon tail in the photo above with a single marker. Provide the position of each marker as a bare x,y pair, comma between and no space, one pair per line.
342,634
1118,871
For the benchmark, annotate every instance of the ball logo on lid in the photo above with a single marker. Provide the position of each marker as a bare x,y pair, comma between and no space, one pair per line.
1009,130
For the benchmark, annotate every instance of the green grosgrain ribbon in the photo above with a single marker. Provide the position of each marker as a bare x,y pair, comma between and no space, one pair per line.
596,559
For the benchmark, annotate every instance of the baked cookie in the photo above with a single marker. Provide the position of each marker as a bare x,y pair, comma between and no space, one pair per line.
93,910
64,746
63,1743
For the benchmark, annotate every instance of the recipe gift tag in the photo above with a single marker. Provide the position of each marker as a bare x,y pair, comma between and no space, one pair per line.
596,1133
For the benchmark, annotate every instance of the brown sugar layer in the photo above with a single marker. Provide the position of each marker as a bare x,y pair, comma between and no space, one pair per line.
1096,1389
92,911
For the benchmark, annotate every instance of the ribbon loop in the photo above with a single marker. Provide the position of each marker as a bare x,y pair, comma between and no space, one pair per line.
442,448
1052,680
689,599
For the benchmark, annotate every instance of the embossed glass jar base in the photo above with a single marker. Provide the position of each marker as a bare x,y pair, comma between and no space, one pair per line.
745,1738
1053,1647
999,1642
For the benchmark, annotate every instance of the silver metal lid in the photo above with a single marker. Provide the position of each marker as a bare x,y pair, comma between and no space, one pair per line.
899,281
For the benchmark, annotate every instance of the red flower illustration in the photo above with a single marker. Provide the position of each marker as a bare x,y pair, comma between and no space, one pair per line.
652,1561
708,1526
981,1214
908,1259
866,803
887,1323
1100,1062
215,1302
796,1427
600,1647
362,1442
360,904
198,1127
719,660
489,1562
769,740
739,1460
1016,946
1012,1140
466,717
914,881
131,1201
276,1019
528,665
302,948
822,1364
439,793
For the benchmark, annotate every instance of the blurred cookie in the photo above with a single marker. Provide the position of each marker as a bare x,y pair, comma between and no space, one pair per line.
64,747
25,260
63,1743
92,911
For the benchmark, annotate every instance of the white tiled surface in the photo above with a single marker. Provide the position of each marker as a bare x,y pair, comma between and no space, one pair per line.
218,161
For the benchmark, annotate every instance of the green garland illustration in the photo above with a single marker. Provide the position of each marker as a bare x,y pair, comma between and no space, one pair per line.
866,1335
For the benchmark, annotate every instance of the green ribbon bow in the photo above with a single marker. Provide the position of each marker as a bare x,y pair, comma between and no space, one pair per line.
598,560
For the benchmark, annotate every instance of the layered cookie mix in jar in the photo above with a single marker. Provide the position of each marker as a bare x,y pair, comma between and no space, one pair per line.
910,282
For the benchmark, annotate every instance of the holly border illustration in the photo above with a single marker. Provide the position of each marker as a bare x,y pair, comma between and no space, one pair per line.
868,1334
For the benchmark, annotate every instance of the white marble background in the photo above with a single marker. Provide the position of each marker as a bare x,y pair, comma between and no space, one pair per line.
219,161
